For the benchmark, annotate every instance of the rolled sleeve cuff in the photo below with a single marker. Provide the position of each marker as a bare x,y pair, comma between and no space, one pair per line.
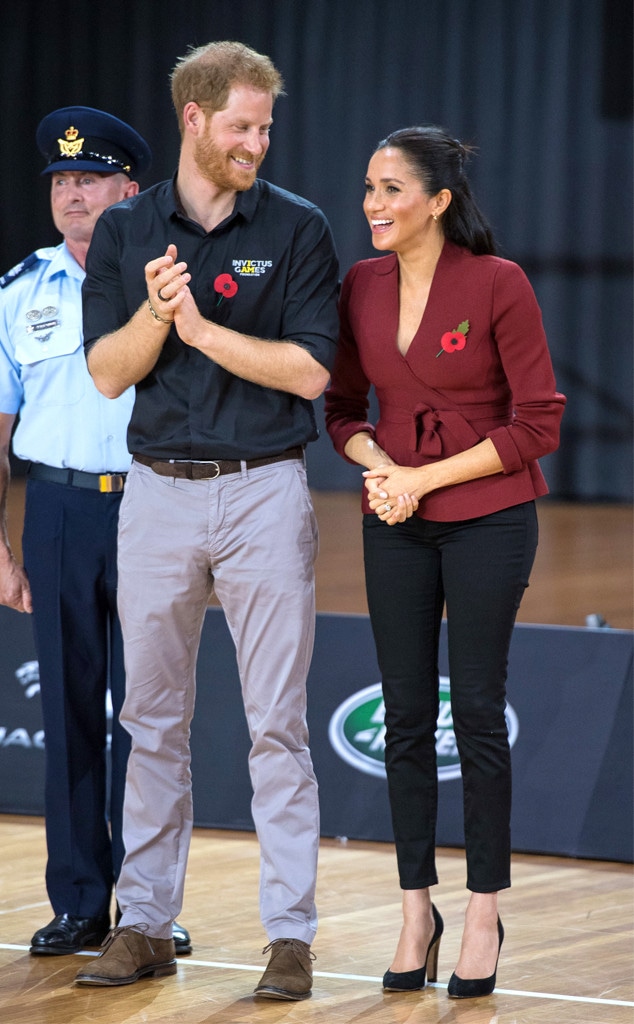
510,457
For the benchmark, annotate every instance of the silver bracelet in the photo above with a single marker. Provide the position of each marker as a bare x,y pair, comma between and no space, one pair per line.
155,314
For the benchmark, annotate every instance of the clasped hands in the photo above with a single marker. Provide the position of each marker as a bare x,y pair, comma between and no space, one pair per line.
170,297
391,492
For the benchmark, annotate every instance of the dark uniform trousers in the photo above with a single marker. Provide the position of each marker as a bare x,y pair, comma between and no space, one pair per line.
70,549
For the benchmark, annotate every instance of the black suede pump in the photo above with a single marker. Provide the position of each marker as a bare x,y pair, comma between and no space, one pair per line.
471,988
410,981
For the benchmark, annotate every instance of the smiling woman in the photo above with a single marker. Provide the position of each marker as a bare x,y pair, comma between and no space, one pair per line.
402,217
451,479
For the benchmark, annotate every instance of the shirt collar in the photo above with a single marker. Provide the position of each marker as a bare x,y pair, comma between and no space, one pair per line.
60,261
247,202
245,205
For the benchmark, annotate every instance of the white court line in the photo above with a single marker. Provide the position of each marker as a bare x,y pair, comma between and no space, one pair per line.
188,961
25,906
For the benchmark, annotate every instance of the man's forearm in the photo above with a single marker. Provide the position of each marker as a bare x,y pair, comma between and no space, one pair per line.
5,477
123,358
282,365
14,587
6,427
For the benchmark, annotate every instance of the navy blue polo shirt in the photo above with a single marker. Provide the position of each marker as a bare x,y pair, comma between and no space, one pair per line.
278,250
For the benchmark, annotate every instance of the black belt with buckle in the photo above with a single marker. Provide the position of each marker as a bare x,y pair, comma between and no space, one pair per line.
209,469
106,483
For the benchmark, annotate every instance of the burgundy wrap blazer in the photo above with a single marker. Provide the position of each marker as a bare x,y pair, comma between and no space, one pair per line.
435,403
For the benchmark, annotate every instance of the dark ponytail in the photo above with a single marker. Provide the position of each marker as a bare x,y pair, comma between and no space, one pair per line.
438,161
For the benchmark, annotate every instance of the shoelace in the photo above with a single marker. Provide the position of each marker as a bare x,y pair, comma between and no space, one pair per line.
115,932
302,949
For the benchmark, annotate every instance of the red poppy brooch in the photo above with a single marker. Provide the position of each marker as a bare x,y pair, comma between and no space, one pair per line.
225,286
453,341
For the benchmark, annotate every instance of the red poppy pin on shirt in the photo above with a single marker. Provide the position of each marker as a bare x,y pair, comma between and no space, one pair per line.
454,341
226,286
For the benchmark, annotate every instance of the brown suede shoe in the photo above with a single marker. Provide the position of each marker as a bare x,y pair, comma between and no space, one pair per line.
129,954
289,974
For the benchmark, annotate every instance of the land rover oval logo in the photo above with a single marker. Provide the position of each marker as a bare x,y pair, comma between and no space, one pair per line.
357,732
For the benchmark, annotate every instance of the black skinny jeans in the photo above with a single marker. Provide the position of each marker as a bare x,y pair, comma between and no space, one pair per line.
480,568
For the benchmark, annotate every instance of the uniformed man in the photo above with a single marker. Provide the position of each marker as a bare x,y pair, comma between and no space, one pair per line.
74,441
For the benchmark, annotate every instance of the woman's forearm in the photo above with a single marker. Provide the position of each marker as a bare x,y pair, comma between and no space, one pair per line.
363,449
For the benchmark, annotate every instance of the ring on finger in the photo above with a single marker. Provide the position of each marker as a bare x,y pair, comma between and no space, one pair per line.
388,508
161,297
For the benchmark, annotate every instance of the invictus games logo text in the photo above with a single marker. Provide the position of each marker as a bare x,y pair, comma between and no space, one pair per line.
251,268
357,732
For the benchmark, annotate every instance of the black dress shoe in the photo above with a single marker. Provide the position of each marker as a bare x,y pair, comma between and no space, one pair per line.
182,941
68,934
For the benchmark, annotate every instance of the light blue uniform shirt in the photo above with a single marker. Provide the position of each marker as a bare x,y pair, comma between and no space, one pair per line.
63,420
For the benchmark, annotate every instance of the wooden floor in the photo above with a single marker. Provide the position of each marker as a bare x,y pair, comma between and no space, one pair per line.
568,955
566,959
584,563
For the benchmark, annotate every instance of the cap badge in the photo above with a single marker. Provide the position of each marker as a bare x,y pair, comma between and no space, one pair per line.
72,146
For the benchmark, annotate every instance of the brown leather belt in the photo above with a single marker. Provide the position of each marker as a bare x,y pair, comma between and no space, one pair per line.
209,469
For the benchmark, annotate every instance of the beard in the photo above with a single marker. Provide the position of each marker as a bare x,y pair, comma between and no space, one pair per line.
218,167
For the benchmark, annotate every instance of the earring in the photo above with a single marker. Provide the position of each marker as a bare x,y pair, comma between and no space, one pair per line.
435,216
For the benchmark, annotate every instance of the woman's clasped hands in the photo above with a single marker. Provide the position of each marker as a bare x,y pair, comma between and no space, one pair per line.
391,492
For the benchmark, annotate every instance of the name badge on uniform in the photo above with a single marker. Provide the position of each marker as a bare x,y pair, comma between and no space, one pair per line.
34,316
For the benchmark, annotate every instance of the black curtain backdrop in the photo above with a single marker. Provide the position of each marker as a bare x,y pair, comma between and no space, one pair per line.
543,89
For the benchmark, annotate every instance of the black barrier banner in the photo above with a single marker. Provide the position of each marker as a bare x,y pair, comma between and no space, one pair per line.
570,719
21,732
569,713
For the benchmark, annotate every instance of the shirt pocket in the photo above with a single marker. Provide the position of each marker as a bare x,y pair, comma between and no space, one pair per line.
53,365
47,341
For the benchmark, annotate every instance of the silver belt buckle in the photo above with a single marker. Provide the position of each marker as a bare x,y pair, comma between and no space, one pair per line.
203,462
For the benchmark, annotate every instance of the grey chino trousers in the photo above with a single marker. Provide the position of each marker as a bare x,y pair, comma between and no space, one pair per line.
252,536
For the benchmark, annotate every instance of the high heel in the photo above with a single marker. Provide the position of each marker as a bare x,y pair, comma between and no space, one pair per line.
410,981
470,988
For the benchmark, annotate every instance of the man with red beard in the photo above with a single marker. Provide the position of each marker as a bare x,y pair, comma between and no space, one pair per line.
215,294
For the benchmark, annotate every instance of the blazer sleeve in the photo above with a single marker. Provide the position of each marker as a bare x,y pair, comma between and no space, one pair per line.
346,398
519,334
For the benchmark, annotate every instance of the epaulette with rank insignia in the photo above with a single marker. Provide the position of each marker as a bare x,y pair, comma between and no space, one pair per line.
18,270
